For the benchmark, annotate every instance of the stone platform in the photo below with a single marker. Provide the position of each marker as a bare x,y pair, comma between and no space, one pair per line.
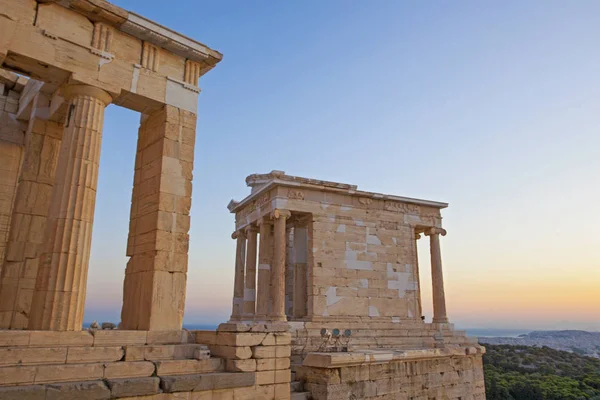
374,333
153,365
453,373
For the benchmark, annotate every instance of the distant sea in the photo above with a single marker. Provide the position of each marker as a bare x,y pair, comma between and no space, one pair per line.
488,332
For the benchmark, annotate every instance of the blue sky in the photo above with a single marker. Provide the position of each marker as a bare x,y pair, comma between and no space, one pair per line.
492,107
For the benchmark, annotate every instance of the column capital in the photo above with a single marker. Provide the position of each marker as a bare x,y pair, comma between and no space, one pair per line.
417,236
435,231
71,91
251,229
279,213
238,234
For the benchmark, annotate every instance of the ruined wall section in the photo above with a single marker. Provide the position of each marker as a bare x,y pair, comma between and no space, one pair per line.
141,64
452,378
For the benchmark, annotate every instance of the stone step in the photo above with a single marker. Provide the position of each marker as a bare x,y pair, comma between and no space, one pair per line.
96,354
52,373
300,396
296,386
167,352
130,388
12,338
188,367
210,381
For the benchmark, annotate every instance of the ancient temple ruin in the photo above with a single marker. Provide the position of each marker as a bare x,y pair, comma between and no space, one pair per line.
332,260
313,257
61,63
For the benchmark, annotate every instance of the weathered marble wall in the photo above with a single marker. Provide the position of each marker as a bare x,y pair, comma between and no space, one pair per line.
449,378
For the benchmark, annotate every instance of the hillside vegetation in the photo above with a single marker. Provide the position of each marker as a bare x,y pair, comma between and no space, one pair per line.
539,373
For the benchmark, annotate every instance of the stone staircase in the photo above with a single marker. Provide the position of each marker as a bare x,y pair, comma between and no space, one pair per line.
297,388
108,364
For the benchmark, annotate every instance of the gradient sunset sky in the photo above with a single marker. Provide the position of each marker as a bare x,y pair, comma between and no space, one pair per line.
493,107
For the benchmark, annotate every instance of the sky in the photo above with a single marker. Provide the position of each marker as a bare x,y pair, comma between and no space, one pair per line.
493,107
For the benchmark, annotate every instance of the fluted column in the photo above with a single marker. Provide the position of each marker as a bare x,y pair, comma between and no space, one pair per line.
250,279
265,256
278,266
238,283
437,277
60,289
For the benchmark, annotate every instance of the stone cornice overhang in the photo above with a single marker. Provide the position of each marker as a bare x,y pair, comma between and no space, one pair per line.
350,190
378,356
144,29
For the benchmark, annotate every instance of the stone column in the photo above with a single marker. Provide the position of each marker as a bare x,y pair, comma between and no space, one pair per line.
265,256
278,266
28,222
250,279
437,277
60,289
155,277
238,283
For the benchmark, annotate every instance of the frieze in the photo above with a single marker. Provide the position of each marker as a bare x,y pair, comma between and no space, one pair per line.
402,207
365,201
260,202
264,199
295,194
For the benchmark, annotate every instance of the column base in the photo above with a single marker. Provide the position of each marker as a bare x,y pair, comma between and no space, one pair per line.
277,318
440,320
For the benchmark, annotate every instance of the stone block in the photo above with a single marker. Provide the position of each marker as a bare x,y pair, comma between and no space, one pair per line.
94,354
185,367
134,353
118,337
265,377
17,375
91,390
234,327
206,337
226,394
266,364
160,352
201,353
282,391
271,351
245,393
180,383
241,365
31,392
283,376
225,380
240,339
282,339
55,339
265,391
354,374
126,369
133,386
14,338
205,395
25,355
68,372
238,353
166,337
